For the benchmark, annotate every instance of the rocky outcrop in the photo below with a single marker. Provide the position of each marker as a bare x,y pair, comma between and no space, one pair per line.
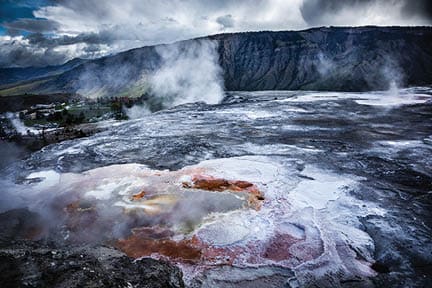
25,263
32,265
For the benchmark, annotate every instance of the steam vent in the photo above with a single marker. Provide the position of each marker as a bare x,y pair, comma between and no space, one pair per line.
198,215
232,212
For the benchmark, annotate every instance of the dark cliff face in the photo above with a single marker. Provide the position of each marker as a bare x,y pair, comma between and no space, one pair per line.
343,59
347,59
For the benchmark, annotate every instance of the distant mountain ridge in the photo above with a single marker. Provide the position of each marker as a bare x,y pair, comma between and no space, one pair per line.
326,58
13,75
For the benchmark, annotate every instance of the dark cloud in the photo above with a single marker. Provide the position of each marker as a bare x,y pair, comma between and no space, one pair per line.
41,40
39,50
314,12
320,12
13,32
20,55
32,25
418,7
227,21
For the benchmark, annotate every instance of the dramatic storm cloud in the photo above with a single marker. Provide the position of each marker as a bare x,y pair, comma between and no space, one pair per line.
44,32
226,21
367,12
31,25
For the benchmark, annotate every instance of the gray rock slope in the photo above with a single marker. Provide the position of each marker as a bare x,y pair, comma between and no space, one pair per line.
349,59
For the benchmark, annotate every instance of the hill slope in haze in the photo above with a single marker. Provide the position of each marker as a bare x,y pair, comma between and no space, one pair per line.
13,75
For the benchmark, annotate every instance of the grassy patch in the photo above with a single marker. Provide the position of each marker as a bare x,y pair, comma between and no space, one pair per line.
32,122
22,88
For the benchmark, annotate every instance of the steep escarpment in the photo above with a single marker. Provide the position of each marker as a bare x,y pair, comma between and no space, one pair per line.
327,58
349,59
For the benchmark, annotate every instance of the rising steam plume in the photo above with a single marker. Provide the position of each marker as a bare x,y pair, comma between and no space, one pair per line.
189,72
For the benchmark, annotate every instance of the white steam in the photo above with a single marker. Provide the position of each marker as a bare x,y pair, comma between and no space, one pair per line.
393,75
137,111
118,78
324,65
190,72
187,72
19,126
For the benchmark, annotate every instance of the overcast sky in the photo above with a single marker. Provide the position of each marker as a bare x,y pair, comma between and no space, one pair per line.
48,32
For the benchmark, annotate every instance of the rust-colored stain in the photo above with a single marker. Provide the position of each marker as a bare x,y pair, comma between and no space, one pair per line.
80,215
138,196
160,241
34,233
72,207
154,232
78,206
278,247
142,244
192,250
211,183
